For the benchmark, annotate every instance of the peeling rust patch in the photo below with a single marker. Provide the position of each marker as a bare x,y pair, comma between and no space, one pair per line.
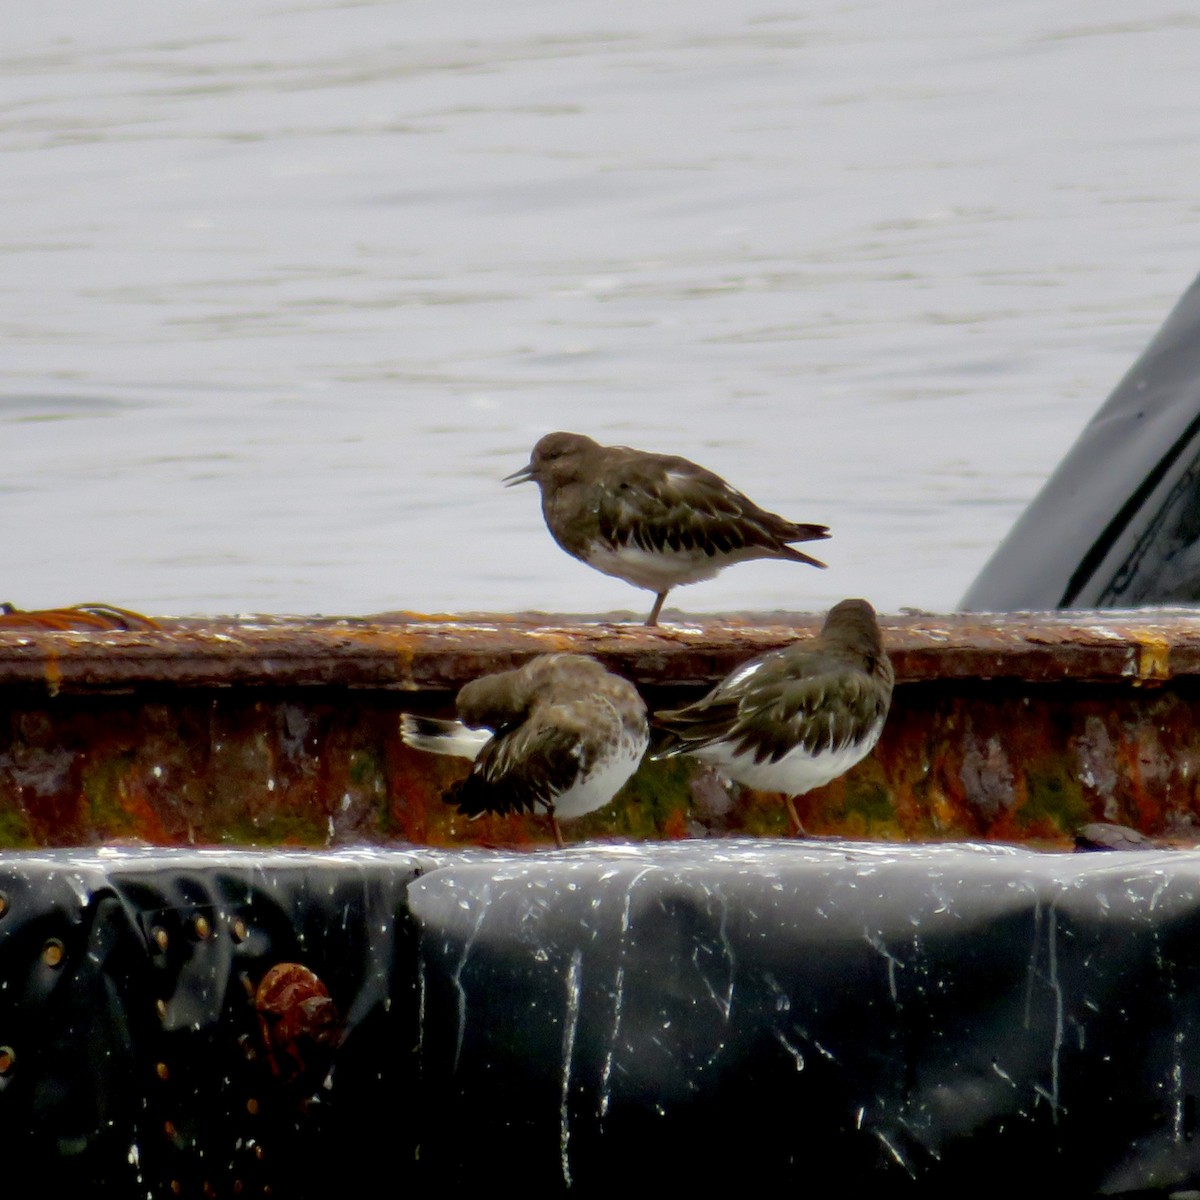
1153,655
53,674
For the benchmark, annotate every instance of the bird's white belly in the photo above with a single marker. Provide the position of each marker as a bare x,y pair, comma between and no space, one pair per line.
657,570
797,772
605,780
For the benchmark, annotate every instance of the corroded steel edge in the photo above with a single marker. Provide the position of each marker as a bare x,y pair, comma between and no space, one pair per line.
286,731
414,652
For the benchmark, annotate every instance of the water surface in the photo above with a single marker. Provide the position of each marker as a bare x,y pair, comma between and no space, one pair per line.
285,288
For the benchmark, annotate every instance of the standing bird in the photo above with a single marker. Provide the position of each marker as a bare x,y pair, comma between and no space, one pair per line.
560,734
654,520
793,719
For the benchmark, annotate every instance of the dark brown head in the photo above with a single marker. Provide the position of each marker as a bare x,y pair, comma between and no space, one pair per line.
852,624
493,701
557,458
502,699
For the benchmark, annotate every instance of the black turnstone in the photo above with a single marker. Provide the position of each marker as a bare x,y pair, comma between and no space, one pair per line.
654,520
560,734
793,719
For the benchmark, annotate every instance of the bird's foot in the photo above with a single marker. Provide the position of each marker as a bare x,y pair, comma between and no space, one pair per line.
652,619
798,829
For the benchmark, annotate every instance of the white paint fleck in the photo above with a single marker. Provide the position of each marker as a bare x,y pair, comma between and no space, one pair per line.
999,1070
794,1050
568,1053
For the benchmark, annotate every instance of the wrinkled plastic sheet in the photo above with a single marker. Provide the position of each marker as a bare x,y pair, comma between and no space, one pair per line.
1115,524
844,1017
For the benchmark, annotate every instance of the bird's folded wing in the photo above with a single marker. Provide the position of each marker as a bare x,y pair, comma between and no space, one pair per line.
523,770
682,511
816,713
820,711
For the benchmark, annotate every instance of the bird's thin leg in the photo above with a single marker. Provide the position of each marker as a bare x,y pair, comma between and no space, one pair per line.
797,827
652,619
558,837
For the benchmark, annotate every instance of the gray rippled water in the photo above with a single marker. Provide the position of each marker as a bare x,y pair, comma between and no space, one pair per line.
286,288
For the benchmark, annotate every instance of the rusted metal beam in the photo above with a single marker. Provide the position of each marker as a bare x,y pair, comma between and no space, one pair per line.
278,730
411,652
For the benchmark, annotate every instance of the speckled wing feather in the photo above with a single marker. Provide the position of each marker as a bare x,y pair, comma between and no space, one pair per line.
772,707
661,503
525,768
803,714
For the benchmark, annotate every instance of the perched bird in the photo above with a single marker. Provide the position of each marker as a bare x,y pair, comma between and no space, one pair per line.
560,734
793,719
654,520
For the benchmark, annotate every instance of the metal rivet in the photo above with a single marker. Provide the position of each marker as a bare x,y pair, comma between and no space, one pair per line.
159,934
176,1187
239,930
259,1153
201,927
209,1190
160,1007
169,1129
8,1057
53,953
3,904
252,1106
162,1070
238,1185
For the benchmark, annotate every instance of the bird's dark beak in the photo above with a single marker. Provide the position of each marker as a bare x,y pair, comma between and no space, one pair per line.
524,475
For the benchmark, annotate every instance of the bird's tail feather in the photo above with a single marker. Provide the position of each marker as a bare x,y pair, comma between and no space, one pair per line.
442,737
799,556
663,744
805,533
683,730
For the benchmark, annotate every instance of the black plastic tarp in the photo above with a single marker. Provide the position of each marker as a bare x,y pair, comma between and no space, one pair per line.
847,1018
1118,523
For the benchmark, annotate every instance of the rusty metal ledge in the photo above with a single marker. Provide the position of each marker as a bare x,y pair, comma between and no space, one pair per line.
418,652
286,730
